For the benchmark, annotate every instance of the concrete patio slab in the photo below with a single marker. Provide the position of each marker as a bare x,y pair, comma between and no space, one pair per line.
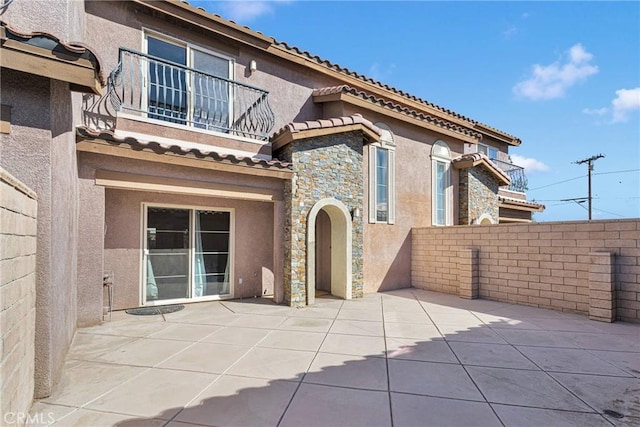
408,356
524,388
410,410
239,401
342,370
432,379
320,406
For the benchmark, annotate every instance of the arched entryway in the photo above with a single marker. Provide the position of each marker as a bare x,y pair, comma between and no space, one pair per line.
334,242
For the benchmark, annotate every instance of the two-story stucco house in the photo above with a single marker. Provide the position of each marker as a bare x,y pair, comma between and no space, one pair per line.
216,162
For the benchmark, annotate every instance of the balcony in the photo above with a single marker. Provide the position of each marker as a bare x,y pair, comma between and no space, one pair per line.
516,173
152,88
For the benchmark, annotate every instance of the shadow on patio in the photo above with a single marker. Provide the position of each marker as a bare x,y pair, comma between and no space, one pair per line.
411,356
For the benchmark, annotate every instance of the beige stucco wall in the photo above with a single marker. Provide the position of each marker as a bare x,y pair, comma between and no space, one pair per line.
63,18
387,248
289,85
18,227
40,151
544,265
119,231
253,240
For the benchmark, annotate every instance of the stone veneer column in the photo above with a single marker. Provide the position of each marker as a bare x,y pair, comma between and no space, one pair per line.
327,166
602,299
468,273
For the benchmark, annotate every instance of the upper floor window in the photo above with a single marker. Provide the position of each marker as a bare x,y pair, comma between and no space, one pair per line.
382,178
188,85
441,192
490,152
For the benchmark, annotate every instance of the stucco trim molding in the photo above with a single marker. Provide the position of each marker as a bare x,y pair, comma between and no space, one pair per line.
130,181
341,249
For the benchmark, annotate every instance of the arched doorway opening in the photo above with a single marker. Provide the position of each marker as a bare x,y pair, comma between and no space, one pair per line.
329,257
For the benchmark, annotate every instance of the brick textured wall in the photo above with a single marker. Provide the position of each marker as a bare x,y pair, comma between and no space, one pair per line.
544,265
18,211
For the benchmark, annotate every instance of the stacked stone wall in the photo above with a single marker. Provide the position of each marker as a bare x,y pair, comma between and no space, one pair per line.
18,226
551,265
478,195
326,167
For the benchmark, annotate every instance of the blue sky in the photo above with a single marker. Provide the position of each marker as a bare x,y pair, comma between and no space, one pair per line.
562,76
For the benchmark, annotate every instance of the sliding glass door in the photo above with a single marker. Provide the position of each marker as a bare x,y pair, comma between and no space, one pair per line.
187,254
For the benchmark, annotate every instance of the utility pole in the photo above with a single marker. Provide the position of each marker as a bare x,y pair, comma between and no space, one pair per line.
589,162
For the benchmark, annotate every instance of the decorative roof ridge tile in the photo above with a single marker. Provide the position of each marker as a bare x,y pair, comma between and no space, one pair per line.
333,122
110,137
77,48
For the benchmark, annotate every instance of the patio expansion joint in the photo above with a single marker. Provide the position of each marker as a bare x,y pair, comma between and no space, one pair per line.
218,375
386,360
458,359
548,374
308,367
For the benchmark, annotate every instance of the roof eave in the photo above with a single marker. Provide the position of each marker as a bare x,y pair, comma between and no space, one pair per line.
372,106
288,135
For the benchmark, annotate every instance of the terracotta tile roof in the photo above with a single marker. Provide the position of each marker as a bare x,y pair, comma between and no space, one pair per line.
472,159
38,38
300,130
329,123
344,70
539,207
163,147
399,108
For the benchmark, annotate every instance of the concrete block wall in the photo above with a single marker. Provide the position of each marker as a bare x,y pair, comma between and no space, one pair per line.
553,265
18,224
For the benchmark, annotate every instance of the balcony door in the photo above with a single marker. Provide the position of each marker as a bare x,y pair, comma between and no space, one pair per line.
187,85
187,254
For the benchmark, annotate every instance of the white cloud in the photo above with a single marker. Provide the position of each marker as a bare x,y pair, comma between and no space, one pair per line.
247,10
510,32
595,111
381,72
529,164
625,102
553,80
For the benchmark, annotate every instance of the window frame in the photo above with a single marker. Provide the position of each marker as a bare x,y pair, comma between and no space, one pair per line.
192,253
437,157
386,143
190,59
489,148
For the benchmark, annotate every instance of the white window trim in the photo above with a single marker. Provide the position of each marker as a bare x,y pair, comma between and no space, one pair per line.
386,143
190,47
143,245
438,158
488,147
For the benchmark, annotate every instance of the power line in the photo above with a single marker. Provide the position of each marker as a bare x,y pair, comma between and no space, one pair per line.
582,176
556,183
609,173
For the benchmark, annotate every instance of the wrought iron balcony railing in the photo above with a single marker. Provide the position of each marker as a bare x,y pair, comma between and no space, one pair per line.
163,90
516,173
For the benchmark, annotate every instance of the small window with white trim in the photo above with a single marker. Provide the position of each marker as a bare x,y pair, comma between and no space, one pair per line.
382,178
441,192
490,152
